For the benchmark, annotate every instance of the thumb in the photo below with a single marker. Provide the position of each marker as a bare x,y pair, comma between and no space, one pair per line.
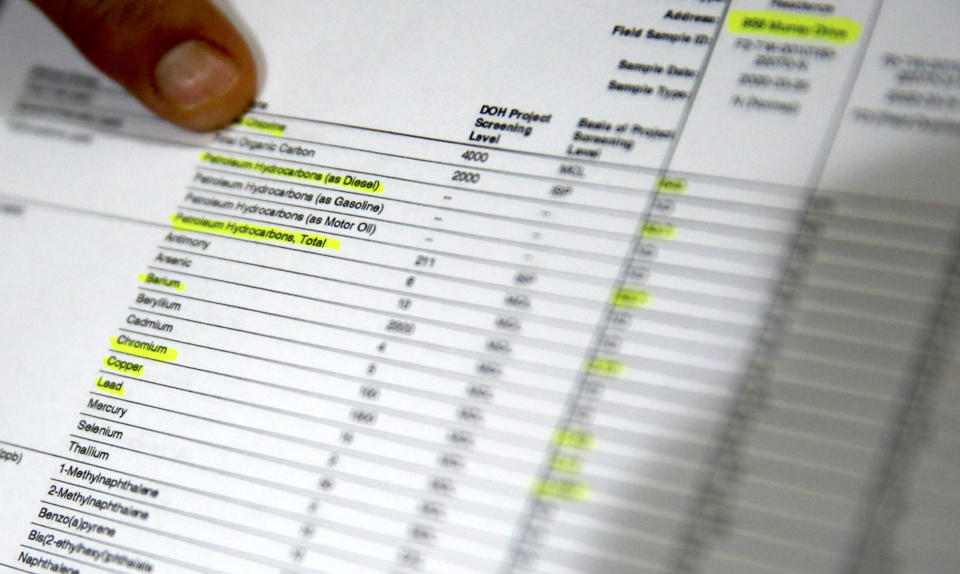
182,58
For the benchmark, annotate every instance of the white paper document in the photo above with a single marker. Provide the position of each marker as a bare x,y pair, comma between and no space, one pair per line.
664,286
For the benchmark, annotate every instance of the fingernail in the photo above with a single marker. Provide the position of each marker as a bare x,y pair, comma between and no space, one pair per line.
193,73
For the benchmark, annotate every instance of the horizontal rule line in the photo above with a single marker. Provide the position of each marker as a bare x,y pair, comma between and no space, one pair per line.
14,568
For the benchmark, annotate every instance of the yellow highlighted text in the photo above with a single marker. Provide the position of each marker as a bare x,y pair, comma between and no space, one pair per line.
108,386
603,366
272,128
144,349
347,181
674,185
634,298
123,366
250,231
572,438
560,490
160,280
658,230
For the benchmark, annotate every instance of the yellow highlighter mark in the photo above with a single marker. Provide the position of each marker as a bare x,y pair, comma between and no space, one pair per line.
272,128
144,349
658,230
160,280
249,231
572,438
565,463
122,366
347,181
672,185
560,490
795,26
603,366
108,386
632,298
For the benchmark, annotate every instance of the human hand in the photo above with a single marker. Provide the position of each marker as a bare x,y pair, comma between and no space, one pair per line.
182,58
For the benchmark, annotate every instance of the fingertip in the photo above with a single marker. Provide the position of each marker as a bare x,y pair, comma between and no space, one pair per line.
194,73
183,59
200,87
